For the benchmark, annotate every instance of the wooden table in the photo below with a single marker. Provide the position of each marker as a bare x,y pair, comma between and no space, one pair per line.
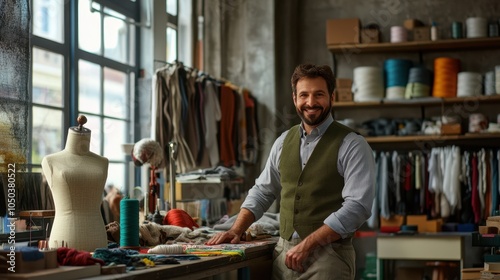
260,255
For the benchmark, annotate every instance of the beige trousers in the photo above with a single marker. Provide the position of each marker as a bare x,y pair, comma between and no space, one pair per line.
332,261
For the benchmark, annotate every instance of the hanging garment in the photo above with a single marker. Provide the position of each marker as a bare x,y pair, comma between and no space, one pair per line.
372,222
212,116
383,186
476,203
226,144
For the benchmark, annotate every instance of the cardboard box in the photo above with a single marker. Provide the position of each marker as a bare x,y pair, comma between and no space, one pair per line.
342,31
370,35
343,95
422,33
451,129
394,220
343,83
410,24
492,266
488,230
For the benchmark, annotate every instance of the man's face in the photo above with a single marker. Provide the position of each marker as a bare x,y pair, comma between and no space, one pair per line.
312,101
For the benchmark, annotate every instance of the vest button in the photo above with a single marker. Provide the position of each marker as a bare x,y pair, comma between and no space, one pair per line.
298,197
300,183
296,211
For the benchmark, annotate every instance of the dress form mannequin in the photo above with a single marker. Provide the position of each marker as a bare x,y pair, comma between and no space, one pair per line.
77,177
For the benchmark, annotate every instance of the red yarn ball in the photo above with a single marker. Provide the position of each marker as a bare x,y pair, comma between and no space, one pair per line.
179,217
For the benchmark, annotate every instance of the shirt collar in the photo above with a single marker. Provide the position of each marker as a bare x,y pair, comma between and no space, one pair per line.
320,129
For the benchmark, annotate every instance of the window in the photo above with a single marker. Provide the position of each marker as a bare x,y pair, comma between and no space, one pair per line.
179,31
84,62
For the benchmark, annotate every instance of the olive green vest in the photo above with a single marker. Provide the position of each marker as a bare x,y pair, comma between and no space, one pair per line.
310,195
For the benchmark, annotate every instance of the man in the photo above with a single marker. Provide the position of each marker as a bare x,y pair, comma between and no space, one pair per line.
324,174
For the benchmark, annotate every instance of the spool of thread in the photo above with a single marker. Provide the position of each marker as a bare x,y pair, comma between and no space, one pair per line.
129,223
398,34
445,77
419,82
167,249
396,72
493,29
469,84
368,84
457,30
489,83
497,79
476,27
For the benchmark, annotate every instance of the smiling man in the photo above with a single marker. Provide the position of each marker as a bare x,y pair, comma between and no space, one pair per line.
324,174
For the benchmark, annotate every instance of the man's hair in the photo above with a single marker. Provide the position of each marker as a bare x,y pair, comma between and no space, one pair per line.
313,71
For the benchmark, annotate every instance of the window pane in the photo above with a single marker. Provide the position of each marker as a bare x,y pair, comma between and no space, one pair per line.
114,136
47,78
89,27
185,31
89,92
115,37
48,18
172,7
94,124
47,133
116,175
115,93
171,44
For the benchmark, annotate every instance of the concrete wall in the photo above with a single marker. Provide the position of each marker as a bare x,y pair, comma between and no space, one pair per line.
239,46
306,34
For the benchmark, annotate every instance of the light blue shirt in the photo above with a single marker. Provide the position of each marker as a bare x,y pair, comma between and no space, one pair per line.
355,163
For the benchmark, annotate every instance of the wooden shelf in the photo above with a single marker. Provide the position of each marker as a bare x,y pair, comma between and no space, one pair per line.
432,138
425,101
440,45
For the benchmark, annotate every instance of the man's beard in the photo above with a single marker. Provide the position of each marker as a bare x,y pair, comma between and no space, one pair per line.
314,121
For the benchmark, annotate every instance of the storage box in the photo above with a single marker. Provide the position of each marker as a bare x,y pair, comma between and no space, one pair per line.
343,83
394,220
370,35
342,31
343,95
422,33
451,129
410,24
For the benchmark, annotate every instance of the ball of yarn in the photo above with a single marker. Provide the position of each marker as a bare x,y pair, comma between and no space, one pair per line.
179,217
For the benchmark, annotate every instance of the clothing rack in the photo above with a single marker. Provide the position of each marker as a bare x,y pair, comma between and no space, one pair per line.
200,72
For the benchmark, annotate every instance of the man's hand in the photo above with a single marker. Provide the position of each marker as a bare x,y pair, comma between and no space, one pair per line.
224,237
296,257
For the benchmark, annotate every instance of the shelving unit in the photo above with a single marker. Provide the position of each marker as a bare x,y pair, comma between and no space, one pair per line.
440,45
479,139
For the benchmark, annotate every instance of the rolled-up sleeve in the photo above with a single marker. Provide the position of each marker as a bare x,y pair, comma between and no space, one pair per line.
267,186
357,165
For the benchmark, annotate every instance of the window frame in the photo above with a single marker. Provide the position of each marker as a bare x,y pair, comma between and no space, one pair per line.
71,54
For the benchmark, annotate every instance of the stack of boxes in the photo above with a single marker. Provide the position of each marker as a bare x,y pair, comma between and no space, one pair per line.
343,90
